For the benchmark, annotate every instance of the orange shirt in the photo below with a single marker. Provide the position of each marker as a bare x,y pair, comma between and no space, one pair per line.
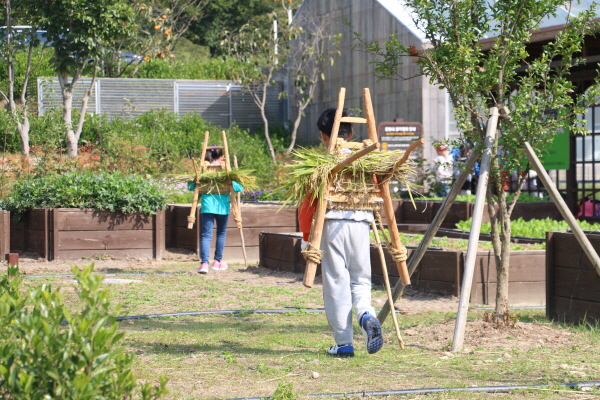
305,214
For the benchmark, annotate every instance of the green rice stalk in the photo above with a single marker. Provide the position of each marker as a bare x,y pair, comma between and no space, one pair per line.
209,180
311,172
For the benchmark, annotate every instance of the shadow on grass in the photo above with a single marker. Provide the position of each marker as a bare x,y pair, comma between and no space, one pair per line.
243,335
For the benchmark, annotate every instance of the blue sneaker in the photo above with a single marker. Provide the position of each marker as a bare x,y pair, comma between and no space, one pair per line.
371,330
345,350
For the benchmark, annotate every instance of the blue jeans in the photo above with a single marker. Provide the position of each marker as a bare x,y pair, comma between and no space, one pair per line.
206,236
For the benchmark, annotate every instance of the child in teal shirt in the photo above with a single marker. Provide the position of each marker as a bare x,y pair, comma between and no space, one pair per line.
215,207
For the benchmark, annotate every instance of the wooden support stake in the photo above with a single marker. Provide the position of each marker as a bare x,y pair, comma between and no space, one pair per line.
418,254
384,188
192,217
239,202
480,198
563,208
319,215
386,279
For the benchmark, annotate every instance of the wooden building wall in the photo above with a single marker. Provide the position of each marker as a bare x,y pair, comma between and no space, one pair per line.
413,100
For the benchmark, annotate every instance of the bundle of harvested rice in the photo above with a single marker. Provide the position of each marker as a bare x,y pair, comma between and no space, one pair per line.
311,171
218,182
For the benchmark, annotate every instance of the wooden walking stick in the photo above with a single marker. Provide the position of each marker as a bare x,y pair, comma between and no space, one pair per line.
239,202
192,217
386,280
235,207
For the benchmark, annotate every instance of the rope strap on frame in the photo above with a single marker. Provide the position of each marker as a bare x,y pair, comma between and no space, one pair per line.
398,255
313,254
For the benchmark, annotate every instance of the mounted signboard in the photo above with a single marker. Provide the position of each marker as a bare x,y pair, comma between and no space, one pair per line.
399,135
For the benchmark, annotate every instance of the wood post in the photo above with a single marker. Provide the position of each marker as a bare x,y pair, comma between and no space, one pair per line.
386,280
384,188
239,216
563,208
480,198
418,254
316,231
192,217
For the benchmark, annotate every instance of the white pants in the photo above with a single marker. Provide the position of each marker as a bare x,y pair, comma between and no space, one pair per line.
346,270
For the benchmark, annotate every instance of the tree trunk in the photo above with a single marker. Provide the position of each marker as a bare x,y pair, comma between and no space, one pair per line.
502,265
23,128
262,104
269,144
67,96
294,131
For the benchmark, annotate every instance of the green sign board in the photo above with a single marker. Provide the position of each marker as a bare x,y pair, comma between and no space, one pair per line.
556,155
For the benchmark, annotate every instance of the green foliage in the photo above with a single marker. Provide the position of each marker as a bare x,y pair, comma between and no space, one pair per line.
170,139
523,198
535,228
208,69
42,358
78,30
108,191
225,15
43,56
284,391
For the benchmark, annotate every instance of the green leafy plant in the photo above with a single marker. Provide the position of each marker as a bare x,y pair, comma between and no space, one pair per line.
49,352
284,391
101,192
535,228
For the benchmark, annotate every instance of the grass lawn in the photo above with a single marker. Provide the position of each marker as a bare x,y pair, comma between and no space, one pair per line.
249,354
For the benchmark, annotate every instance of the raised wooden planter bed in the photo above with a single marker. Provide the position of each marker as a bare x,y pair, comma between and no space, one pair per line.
68,234
438,272
426,211
572,283
257,217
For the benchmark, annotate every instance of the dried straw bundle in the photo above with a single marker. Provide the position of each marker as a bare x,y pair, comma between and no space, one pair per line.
310,173
218,182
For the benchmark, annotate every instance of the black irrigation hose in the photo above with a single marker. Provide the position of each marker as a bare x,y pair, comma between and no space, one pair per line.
406,392
514,308
103,274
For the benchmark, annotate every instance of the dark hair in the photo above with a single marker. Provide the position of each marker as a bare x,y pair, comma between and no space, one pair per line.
213,154
325,123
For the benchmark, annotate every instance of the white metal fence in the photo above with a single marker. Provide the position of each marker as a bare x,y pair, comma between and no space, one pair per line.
220,102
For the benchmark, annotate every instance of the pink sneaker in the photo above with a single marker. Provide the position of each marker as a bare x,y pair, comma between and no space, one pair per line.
203,268
219,265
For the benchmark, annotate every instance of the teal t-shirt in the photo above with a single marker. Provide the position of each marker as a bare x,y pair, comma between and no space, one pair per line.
219,204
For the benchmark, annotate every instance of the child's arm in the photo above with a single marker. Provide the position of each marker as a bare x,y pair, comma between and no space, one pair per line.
305,213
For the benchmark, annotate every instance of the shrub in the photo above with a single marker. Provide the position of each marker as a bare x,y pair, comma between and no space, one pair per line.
535,228
48,352
106,191
168,139
209,69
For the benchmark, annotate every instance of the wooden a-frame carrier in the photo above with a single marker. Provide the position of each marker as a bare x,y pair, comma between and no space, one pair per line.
206,167
367,146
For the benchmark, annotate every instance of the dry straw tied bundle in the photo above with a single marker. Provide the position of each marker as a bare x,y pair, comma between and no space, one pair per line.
216,181
310,172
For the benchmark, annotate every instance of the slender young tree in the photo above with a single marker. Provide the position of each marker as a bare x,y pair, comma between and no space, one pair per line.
534,86
11,44
311,53
78,31
260,50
